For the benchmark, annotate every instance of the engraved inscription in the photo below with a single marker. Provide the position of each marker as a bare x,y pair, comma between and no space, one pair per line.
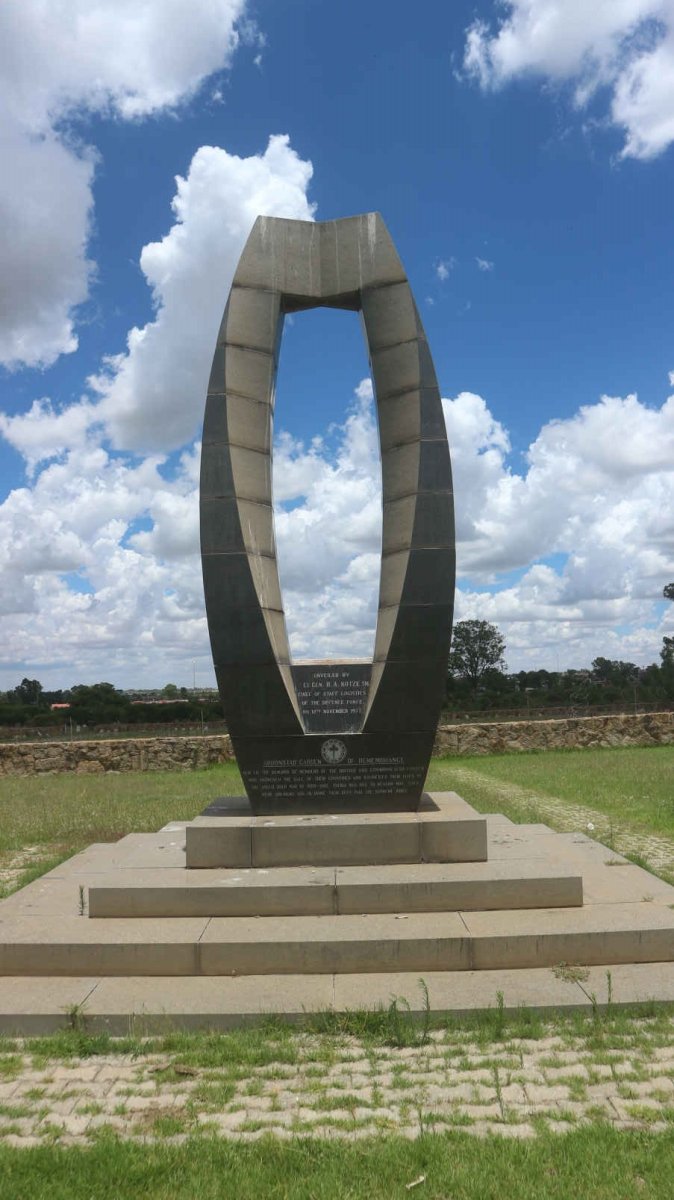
332,696
362,776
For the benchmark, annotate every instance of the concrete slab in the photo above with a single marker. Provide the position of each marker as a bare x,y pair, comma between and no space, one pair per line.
320,840
461,993
595,934
47,938
212,893
146,850
414,887
622,882
321,945
54,943
451,887
36,1006
119,1005
44,898
445,829
463,922
516,843
29,1007
630,983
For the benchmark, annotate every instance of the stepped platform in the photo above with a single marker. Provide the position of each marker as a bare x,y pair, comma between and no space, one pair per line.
133,933
303,891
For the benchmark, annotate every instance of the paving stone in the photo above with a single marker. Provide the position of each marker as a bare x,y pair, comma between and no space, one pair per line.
572,1108
647,1088
600,1091
77,1073
482,1112
448,1095
662,1081
513,1093
115,1074
62,1108
577,1071
276,1119
76,1125
600,1069
435,1094
665,1058
101,1120
257,1104
485,1078
513,1131
479,1128
138,1103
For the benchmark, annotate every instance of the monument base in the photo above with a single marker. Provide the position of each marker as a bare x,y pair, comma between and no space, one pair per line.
332,913
443,828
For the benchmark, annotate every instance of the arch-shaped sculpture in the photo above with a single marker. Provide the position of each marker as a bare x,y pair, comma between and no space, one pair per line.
326,737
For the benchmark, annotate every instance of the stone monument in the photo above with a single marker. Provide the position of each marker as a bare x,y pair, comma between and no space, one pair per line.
324,896
346,736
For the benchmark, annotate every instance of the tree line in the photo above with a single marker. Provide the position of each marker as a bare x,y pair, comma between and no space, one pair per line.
102,704
477,679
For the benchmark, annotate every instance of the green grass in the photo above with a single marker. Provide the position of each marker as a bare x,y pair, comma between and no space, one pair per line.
630,785
627,784
594,1161
63,813
75,810
280,1046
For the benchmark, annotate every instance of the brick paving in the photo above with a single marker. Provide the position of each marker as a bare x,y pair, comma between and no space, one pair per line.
341,1087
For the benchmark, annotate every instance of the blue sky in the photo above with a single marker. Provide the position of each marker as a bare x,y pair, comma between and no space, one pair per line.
521,156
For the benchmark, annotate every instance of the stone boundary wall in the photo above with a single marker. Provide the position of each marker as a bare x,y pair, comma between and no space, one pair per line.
568,733
186,753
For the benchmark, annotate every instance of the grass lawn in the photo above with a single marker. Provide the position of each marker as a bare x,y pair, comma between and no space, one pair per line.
57,815
632,784
595,1162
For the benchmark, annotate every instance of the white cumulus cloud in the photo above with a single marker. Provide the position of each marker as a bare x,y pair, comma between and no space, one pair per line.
444,267
99,566
128,58
623,46
152,396
100,574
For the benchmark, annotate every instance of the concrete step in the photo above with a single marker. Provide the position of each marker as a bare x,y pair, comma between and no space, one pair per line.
45,941
291,891
142,1005
445,829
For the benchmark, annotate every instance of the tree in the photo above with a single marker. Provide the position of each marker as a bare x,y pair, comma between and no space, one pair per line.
668,591
97,703
667,652
29,691
614,670
477,647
